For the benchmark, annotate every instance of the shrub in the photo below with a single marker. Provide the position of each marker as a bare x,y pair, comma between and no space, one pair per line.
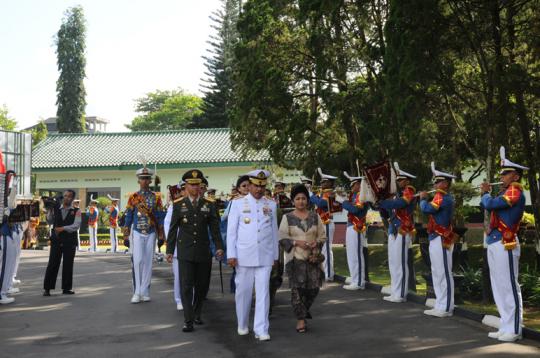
471,286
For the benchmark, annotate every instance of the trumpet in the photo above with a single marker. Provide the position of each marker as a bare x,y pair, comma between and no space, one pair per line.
475,187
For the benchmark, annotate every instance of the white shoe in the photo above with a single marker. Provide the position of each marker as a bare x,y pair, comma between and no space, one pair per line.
352,287
262,337
243,332
146,298
4,300
509,337
13,290
439,313
394,299
348,280
16,281
495,335
135,299
179,307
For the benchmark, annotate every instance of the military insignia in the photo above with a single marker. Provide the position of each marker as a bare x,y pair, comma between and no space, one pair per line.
247,220
205,209
194,174
267,211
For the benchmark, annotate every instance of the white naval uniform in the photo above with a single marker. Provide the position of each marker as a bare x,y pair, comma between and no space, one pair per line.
330,229
398,256
7,261
176,271
503,272
17,238
252,238
356,241
441,274
142,253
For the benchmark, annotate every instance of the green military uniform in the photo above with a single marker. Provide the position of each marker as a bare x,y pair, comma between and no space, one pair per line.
189,230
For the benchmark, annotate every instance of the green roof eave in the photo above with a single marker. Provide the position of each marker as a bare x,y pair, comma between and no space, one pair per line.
150,165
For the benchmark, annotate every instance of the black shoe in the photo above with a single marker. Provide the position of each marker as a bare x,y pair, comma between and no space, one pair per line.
188,327
198,321
68,292
46,293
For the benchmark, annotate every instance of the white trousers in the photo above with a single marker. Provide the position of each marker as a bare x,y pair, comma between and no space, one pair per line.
113,231
441,274
356,242
327,251
398,255
503,271
142,253
17,238
7,264
176,273
78,240
92,231
246,277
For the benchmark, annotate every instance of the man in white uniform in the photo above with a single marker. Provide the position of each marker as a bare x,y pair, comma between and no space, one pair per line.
252,248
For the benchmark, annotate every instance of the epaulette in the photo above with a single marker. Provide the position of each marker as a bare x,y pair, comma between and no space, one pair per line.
210,200
238,197
179,199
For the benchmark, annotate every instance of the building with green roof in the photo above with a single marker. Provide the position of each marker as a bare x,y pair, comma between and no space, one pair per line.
105,163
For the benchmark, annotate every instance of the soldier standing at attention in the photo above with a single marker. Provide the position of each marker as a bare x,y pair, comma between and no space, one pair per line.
192,219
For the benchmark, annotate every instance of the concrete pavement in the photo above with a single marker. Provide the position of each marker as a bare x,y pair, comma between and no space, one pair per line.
99,321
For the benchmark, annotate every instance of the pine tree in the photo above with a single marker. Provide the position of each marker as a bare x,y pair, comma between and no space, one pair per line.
71,62
218,84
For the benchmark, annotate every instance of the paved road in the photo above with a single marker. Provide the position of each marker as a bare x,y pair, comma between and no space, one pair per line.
99,321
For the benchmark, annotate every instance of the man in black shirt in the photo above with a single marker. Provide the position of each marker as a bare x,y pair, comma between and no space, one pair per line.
65,220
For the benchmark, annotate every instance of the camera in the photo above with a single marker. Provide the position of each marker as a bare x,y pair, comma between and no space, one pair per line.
51,202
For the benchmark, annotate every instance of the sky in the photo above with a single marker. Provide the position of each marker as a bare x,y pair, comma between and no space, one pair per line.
132,47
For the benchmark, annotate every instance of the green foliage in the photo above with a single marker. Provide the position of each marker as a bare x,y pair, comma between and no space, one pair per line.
39,133
165,110
529,280
471,286
6,122
219,66
71,62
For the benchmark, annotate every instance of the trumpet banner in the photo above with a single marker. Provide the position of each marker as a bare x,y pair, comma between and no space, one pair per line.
380,182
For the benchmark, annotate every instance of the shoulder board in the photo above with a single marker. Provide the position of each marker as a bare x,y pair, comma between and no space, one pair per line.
209,200
512,193
179,199
411,188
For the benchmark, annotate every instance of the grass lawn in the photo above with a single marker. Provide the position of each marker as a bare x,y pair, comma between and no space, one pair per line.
378,273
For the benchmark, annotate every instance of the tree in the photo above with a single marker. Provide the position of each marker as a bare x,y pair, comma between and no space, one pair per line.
166,110
218,84
71,62
39,133
6,122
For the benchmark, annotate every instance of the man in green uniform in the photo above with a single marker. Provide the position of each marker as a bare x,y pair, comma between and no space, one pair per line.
192,219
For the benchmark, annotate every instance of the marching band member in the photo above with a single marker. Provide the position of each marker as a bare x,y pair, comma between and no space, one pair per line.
441,242
8,249
112,210
144,217
400,234
503,248
252,247
326,206
355,234
93,215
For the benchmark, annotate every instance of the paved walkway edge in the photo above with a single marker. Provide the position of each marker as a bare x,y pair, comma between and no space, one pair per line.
458,311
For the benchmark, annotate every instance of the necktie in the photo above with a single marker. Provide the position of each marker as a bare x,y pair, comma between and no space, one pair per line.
194,203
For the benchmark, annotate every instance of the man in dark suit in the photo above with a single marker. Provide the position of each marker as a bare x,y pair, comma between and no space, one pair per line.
65,220
192,219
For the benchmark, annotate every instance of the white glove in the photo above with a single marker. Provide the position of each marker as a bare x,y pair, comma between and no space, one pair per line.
340,199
